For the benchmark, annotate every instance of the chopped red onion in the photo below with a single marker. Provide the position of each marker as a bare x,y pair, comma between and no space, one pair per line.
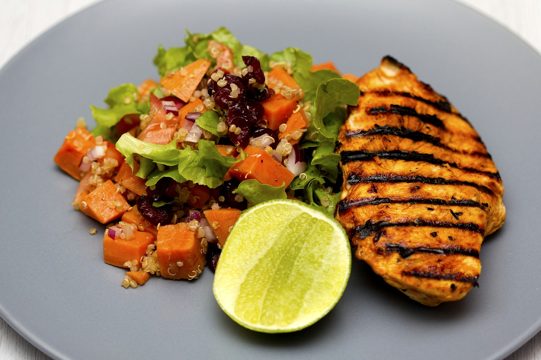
97,152
85,166
194,135
192,116
293,163
111,232
193,215
188,125
209,233
172,104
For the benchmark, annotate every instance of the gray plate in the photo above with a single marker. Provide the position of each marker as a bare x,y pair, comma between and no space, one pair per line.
55,290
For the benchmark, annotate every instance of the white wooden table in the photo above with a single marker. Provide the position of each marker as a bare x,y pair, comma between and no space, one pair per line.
22,20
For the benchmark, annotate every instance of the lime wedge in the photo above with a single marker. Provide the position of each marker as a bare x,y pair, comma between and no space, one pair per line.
284,266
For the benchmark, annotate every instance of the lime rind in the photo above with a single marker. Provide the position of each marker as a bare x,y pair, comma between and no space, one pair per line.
282,280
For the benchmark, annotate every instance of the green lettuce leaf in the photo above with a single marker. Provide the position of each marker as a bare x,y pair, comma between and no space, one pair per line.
318,184
122,100
129,146
172,59
327,160
255,192
198,43
310,82
209,121
122,95
145,167
171,173
294,59
331,96
204,166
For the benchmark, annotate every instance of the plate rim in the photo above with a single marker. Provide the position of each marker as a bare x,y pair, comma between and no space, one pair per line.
51,351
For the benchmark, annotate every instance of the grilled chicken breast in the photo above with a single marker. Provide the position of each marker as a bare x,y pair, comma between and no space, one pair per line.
420,189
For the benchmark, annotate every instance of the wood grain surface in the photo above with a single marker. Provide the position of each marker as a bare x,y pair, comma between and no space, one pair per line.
21,21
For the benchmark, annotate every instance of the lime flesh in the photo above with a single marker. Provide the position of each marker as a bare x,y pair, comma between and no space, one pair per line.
284,266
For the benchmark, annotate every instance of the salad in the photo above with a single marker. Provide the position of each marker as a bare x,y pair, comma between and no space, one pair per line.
172,162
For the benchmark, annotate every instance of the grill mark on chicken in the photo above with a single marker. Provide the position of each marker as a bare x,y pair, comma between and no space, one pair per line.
406,252
344,205
369,228
459,277
394,109
416,136
442,105
354,178
360,155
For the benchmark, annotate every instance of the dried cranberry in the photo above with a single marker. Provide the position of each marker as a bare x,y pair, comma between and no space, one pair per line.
155,215
255,72
172,104
227,197
126,123
165,189
222,94
259,94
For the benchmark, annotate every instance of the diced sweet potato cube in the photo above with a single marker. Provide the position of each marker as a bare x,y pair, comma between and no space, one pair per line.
281,82
118,251
112,153
277,109
133,216
129,180
261,166
182,83
180,253
140,277
104,203
221,221
84,188
76,144
295,126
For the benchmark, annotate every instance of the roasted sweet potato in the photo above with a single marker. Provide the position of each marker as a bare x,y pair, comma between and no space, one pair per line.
183,82
104,203
76,144
129,180
277,109
261,166
180,253
118,251
295,126
282,83
221,221
133,216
